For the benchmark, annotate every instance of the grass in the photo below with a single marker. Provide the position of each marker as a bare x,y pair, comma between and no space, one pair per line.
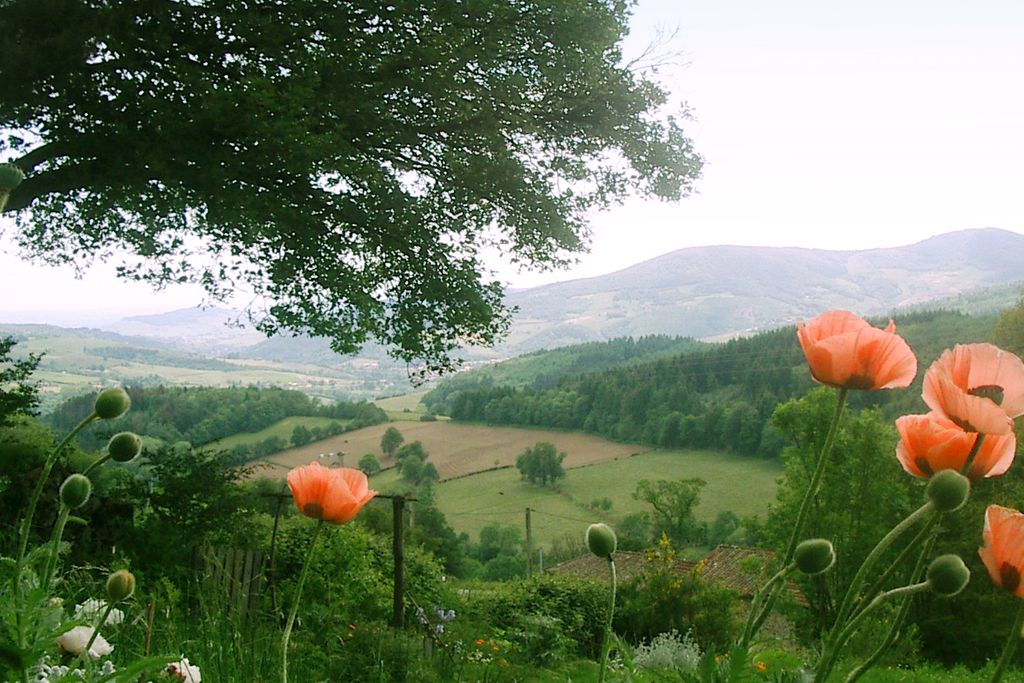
743,485
282,428
409,403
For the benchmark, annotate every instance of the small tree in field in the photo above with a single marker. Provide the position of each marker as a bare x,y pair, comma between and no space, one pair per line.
541,464
391,440
369,464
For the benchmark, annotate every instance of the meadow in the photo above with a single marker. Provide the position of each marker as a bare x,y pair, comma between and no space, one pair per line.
282,429
742,485
458,450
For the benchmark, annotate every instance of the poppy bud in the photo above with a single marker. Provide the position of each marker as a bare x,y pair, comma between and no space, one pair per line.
10,177
75,490
111,403
948,490
601,540
948,575
120,585
814,556
124,446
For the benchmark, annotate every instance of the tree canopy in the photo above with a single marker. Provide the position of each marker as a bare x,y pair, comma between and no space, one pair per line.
348,162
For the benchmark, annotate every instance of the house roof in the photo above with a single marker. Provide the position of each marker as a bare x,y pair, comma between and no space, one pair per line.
738,569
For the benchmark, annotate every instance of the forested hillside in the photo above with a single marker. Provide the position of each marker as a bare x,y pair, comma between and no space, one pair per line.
200,415
720,396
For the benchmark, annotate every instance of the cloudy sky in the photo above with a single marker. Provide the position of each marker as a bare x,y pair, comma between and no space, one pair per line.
824,124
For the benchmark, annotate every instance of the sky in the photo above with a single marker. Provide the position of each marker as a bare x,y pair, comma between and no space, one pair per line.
824,124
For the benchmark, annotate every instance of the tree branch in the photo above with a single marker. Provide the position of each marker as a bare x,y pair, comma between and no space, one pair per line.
63,179
47,152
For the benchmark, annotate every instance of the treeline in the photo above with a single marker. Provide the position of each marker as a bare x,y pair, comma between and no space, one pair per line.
720,396
135,354
544,369
201,415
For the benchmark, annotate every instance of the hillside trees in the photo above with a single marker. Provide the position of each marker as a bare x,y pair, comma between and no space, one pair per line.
17,393
541,464
719,396
673,503
346,161
391,440
851,509
200,415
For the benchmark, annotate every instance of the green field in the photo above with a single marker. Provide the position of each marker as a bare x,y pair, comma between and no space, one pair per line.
743,485
282,428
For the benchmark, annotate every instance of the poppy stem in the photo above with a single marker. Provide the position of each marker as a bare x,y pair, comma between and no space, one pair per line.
815,483
295,607
608,626
853,592
830,653
762,603
1011,645
26,526
897,625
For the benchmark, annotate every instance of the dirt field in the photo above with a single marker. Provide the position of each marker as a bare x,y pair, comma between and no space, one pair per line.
455,449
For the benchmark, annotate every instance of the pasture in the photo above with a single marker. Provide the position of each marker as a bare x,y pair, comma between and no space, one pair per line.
742,485
456,450
282,429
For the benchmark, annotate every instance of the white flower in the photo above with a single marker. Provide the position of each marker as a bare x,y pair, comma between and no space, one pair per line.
92,608
183,671
75,640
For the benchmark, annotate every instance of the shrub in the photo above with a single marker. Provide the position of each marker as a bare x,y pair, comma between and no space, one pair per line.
663,598
668,650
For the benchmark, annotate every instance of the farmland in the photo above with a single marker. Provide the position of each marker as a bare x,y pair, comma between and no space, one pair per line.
480,485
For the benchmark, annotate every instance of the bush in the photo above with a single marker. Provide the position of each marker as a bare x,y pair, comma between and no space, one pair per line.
578,606
663,599
668,650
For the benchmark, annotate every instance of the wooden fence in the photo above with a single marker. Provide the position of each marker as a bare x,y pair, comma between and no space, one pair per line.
234,575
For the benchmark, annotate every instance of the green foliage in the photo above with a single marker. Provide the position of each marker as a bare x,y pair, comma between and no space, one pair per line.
201,415
1008,333
541,464
666,598
17,394
185,494
347,168
391,440
501,552
369,464
673,503
851,509
718,396
411,461
568,608
543,369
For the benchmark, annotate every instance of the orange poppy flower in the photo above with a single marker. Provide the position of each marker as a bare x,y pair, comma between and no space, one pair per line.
978,386
332,495
844,351
1003,552
932,442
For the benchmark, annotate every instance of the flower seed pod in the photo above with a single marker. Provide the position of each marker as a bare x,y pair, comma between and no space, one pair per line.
111,403
814,556
124,446
601,540
75,490
948,490
120,585
10,177
948,575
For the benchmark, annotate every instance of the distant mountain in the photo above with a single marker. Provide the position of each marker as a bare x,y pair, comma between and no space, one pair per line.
211,331
707,293
715,292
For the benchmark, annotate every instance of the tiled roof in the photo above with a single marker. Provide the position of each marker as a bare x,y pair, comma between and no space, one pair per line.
741,570
738,569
